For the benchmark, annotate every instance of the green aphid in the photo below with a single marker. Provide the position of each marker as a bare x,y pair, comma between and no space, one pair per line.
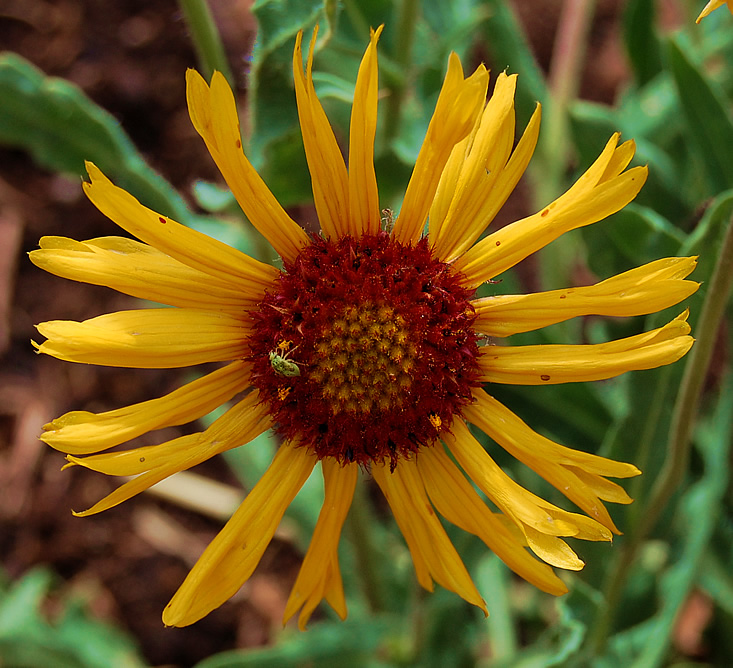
281,364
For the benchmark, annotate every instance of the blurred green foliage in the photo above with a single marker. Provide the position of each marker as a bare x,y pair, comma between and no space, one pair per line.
676,106
73,639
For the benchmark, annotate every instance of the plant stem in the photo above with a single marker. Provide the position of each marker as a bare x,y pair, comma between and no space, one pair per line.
360,522
566,69
679,442
206,38
548,174
402,56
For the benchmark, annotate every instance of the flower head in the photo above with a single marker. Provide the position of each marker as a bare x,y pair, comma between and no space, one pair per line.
712,6
368,350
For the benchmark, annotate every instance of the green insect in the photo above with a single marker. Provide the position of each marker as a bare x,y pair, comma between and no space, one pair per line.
280,363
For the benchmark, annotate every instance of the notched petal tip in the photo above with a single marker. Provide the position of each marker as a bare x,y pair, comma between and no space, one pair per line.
95,174
374,34
194,78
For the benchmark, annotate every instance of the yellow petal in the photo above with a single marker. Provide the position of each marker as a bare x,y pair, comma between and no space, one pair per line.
456,500
604,489
363,194
147,338
646,289
82,432
552,364
480,169
425,536
185,447
193,248
458,106
493,418
523,507
594,175
139,270
213,112
590,199
232,556
447,186
713,5
506,429
553,550
325,162
237,426
503,186
320,576
620,159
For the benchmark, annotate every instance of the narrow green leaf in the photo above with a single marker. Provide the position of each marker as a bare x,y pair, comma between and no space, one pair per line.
642,44
652,111
698,511
504,37
707,238
708,123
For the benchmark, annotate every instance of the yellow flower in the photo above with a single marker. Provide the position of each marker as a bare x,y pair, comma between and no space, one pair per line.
368,350
712,6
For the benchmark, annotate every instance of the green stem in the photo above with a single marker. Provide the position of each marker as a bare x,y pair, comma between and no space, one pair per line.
360,522
402,56
679,441
206,38
566,69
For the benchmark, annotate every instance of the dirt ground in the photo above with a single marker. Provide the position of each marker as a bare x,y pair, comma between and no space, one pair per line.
130,58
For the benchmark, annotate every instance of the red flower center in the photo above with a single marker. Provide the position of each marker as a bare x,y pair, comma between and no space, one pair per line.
364,349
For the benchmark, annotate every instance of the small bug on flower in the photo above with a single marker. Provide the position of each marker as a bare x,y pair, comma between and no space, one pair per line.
280,363
387,220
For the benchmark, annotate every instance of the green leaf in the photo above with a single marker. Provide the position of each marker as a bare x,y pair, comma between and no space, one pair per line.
212,197
633,236
708,124
61,128
73,640
250,461
21,603
592,126
652,111
717,582
707,239
272,99
650,117
698,512
509,47
326,645
642,44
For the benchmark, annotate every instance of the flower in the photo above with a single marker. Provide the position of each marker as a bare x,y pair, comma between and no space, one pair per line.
368,350
712,6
